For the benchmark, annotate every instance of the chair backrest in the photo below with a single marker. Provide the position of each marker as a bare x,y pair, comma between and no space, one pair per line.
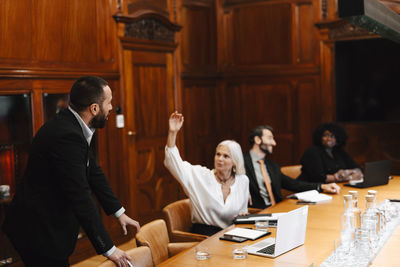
141,257
155,236
293,171
178,216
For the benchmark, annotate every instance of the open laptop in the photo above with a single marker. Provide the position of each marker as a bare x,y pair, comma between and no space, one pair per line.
290,233
375,173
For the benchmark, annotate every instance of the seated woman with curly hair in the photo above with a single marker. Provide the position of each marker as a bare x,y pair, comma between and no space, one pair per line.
327,161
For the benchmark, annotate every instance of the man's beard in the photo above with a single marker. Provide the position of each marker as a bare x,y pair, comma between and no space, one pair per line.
263,149
99,121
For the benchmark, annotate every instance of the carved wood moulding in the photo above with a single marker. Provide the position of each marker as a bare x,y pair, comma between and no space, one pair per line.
149,29
342,30
148,26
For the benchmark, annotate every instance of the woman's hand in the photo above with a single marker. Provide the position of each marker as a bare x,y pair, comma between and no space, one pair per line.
175,122
341,176
356,174
330,188
347,175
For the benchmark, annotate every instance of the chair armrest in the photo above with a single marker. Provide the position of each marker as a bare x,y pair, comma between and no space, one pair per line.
175,248
180,236
253,210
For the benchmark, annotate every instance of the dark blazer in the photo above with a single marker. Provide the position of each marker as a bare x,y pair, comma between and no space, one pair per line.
55,194
316,163
278,181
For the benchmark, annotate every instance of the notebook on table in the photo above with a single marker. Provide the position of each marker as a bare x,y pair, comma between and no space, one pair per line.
290,233
375,173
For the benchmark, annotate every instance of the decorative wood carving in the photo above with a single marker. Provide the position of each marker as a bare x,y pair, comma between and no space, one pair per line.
149,29
148,26
349,30
340,29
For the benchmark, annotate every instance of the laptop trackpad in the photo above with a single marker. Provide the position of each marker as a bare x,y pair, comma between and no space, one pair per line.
265,243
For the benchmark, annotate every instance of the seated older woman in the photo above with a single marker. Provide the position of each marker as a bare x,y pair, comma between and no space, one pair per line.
327,161
217,196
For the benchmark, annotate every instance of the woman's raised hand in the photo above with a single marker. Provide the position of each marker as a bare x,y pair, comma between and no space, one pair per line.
175,121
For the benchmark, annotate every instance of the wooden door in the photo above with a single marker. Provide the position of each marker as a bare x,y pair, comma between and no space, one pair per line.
149,99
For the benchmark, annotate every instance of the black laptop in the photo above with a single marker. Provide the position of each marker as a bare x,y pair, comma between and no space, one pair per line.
375,173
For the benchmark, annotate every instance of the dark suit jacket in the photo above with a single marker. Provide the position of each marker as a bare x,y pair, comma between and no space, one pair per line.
278,181
54,196
316,163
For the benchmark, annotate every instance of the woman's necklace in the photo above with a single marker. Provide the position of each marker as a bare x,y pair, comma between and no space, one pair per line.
222,181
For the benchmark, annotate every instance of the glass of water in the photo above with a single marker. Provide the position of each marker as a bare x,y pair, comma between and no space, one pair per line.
202,253
261,225
239,252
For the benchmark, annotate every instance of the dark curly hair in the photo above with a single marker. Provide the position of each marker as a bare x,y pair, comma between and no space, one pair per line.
336,130
258,131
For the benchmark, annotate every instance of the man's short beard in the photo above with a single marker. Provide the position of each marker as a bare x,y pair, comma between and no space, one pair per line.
99,121
263,149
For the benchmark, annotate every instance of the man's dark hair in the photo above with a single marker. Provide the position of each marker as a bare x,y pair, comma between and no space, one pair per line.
336,130
86,91
258,131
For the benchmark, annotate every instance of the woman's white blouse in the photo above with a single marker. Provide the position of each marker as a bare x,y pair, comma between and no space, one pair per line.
205,193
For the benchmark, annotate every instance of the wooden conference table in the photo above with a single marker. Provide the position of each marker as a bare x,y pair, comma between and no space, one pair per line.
323,227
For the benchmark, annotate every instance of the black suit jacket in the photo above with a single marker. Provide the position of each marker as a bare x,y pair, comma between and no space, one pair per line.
316,163
55,194
278,181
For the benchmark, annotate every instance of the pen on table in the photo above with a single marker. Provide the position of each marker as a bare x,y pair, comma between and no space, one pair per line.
306,202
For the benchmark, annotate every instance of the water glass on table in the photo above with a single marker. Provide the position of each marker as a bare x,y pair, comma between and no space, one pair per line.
202,252
261,225
239,252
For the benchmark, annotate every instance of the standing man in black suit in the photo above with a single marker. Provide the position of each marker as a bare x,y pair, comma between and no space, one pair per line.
55,194
266,178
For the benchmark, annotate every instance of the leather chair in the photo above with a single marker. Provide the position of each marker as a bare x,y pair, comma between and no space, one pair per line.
141,257
155,236
293,171
178,218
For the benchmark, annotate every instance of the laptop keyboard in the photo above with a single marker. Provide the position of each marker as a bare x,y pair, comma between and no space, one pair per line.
268,250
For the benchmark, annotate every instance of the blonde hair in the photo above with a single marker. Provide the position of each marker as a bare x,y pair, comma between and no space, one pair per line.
236,155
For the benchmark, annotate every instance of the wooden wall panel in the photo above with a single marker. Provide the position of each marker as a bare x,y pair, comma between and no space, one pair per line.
199,109
229,112
58,35
262,34
306,41
262,103
15,29
307,116
198,43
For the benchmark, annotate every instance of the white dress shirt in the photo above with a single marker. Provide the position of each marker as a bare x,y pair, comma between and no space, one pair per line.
205,193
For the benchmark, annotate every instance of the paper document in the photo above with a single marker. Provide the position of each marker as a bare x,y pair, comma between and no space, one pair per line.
252,218
246,233
312,196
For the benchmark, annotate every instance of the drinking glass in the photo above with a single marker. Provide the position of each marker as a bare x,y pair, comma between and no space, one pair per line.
202,253
239,252
261,225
